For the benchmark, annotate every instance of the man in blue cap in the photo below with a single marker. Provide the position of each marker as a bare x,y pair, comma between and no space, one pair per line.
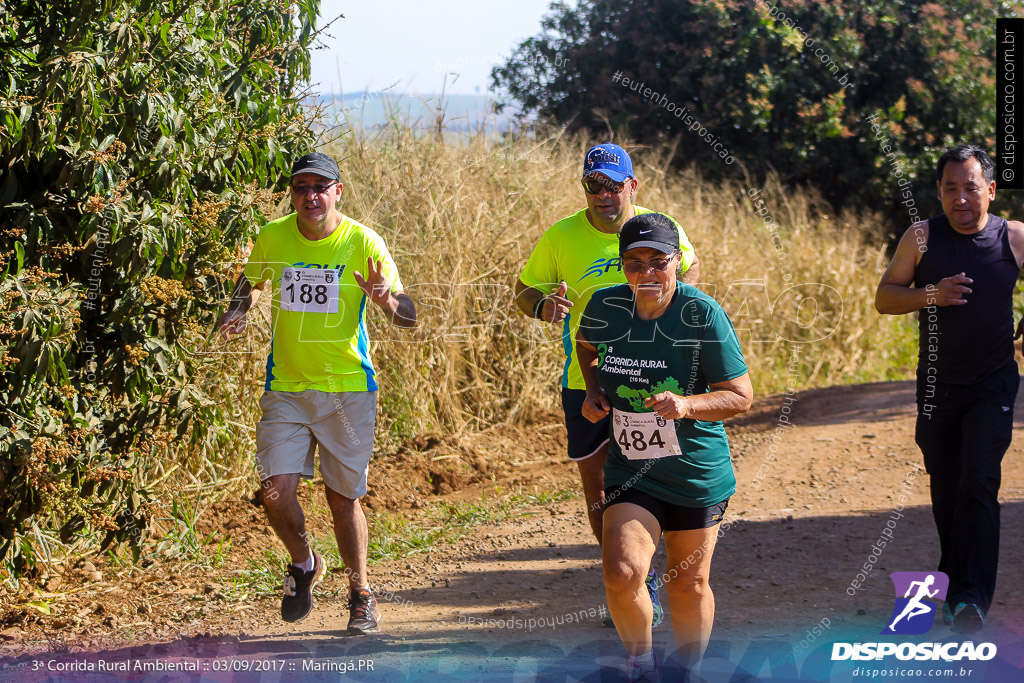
575,257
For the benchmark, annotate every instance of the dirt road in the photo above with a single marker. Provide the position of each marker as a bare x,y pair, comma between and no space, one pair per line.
521,599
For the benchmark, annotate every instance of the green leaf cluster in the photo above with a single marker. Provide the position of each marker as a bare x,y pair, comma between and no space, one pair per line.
141,144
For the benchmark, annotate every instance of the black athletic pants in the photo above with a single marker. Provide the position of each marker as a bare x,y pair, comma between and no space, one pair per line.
963,432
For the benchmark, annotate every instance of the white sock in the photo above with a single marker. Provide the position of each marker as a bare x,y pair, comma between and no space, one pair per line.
645,660
306,566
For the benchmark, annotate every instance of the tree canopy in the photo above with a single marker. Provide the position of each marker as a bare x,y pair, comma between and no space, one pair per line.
787,85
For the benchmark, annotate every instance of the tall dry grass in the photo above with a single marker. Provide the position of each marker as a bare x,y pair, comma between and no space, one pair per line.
461,218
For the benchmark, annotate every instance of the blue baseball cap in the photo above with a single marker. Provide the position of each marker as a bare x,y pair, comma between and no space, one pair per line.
610,160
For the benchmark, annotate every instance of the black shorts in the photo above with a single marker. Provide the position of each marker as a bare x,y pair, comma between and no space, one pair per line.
585,437
670,517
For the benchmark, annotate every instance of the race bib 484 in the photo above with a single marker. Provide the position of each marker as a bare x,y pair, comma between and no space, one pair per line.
644,435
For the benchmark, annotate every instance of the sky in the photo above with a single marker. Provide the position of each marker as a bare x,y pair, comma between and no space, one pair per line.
412,44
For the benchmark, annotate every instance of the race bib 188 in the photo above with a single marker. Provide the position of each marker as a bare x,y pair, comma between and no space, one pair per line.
644,435
309,290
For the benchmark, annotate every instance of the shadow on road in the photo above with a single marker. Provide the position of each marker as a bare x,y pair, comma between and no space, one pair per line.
840,564
875,402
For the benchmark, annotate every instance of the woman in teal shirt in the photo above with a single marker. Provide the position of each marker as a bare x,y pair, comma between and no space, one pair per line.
662,357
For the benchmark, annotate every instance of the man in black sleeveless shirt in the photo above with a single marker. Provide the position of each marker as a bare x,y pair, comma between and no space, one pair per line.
959,271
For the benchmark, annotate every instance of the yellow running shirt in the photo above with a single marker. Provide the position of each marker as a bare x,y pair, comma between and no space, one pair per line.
318,314
587,259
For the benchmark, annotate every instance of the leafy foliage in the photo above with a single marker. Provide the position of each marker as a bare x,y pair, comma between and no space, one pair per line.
133,138
789,92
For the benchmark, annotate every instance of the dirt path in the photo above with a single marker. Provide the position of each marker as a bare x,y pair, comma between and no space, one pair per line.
521,599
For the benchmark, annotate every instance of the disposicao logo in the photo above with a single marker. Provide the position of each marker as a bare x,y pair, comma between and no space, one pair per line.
911,615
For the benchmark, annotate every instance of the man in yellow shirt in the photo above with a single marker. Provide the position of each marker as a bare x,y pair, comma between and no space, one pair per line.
575,257
321,388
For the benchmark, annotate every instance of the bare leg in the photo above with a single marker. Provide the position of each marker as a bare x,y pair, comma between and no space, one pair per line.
632,535
592,476
350,530
689,594
281,502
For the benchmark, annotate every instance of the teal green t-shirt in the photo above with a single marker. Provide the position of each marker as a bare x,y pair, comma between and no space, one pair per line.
691,345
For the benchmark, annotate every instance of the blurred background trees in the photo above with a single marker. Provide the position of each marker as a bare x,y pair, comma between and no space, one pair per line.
787,85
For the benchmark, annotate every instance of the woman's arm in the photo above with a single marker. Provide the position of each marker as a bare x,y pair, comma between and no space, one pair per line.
728,398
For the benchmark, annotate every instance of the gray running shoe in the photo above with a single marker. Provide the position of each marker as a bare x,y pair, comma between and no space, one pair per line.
364,617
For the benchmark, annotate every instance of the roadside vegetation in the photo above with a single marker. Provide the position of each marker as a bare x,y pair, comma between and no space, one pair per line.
461,217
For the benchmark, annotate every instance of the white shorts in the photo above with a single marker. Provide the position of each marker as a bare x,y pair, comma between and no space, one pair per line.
294,423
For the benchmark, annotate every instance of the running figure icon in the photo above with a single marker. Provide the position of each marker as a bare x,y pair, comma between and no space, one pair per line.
916,606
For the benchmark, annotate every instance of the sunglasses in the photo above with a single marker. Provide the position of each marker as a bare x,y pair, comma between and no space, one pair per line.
591,186
301,190
658,265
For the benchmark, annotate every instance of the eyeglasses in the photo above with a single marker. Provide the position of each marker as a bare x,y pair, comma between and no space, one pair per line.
591,186
301,190
658,265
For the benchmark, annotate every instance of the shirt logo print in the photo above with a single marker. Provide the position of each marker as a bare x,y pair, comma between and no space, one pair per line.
601,266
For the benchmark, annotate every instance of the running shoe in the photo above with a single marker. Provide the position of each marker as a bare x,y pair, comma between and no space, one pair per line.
297,602
652,588
968,618
947,613
364,616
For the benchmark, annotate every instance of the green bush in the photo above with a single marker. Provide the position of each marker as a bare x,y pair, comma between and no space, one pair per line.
137,140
